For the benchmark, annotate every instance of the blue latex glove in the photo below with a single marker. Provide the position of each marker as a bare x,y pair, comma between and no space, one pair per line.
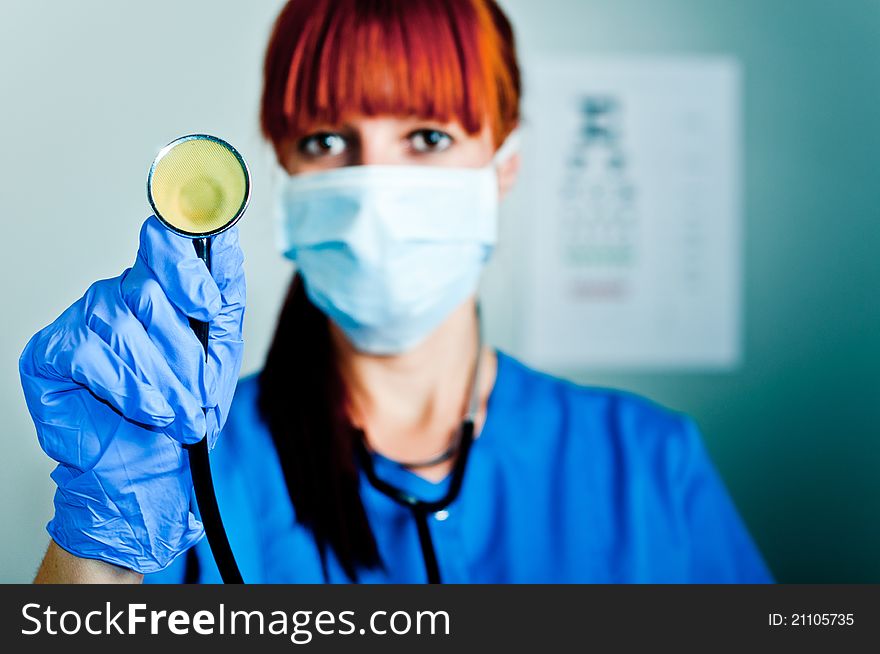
119,382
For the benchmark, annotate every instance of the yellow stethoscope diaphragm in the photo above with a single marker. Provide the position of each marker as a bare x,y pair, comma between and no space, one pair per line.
198,185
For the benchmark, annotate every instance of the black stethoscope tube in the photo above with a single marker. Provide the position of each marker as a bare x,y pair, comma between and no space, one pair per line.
200,465
432,568
421,509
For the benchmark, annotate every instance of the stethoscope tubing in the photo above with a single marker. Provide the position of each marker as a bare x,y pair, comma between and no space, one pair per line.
422,509
200,466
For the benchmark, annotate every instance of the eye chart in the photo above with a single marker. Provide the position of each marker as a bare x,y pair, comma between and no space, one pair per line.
631,213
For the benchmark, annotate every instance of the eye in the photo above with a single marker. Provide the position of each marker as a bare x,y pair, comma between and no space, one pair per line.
430,140
322,144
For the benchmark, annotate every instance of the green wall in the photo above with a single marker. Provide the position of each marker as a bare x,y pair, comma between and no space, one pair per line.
794,430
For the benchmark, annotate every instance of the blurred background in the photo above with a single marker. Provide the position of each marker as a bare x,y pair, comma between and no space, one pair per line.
92,89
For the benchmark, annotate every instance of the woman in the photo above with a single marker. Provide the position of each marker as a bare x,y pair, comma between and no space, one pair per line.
393,121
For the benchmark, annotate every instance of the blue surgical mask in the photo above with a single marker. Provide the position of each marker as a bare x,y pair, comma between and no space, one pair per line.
388,252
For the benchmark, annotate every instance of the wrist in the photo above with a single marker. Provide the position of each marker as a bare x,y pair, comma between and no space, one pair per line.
122,546
62,567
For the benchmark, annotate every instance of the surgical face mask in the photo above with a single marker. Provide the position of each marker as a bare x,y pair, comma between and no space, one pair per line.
388,252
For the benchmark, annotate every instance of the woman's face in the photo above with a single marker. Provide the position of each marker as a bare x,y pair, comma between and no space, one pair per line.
388,140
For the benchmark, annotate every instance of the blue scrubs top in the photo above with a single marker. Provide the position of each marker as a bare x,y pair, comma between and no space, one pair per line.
565,484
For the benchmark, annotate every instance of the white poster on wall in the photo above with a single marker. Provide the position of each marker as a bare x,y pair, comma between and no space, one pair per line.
632,206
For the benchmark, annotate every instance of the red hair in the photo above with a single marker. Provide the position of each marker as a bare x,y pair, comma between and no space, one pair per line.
446,60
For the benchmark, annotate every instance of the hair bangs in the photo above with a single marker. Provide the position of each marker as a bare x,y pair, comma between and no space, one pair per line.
436,59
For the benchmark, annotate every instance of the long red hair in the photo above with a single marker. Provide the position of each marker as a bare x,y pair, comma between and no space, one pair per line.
447,60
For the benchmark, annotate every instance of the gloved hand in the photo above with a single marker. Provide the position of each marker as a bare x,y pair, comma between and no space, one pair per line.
119,381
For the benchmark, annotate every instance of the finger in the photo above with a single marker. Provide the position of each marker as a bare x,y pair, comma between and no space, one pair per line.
94,364
227,268
169,330
227,259
182,275
224,366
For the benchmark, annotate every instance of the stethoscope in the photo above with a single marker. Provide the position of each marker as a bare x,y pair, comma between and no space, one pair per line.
421,510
